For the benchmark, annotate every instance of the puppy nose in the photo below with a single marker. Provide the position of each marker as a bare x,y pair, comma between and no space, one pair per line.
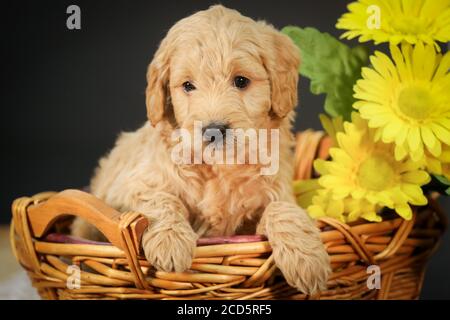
215,130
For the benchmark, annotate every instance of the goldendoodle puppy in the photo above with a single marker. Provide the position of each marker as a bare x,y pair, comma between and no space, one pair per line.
228,72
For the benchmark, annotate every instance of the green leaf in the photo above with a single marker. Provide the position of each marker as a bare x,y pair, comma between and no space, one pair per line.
443,180
332,67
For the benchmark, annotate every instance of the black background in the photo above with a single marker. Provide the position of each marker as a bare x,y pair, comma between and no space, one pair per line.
66,94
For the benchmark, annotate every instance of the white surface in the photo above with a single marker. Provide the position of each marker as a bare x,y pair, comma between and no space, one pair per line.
17,287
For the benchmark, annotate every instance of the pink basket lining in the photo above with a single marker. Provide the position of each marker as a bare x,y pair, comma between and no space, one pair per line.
68,239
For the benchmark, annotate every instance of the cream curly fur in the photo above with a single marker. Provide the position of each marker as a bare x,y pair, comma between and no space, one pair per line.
209,49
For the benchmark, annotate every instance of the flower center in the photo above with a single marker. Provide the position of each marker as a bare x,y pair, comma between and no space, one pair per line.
375,173
408,25
415,102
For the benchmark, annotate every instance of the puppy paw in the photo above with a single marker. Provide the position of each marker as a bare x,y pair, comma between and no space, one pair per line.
169,248
297,248
306,272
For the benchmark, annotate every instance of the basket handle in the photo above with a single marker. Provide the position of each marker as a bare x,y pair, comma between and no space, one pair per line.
41,216
310,145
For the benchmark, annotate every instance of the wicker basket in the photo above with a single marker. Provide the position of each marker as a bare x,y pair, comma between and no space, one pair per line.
239,267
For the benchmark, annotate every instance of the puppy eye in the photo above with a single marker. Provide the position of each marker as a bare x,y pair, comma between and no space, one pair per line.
241,82
187,86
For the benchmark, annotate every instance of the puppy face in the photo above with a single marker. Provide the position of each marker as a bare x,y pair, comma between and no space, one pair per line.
224,70
219,83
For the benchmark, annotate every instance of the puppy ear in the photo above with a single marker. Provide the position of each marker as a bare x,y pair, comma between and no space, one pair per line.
157,91
281,58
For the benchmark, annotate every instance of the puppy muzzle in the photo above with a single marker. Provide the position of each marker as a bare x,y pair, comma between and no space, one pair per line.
215,132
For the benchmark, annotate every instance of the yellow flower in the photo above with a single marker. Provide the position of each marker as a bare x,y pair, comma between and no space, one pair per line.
439,165
332,126
305,190
346,210
397,21
364,175
407,100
